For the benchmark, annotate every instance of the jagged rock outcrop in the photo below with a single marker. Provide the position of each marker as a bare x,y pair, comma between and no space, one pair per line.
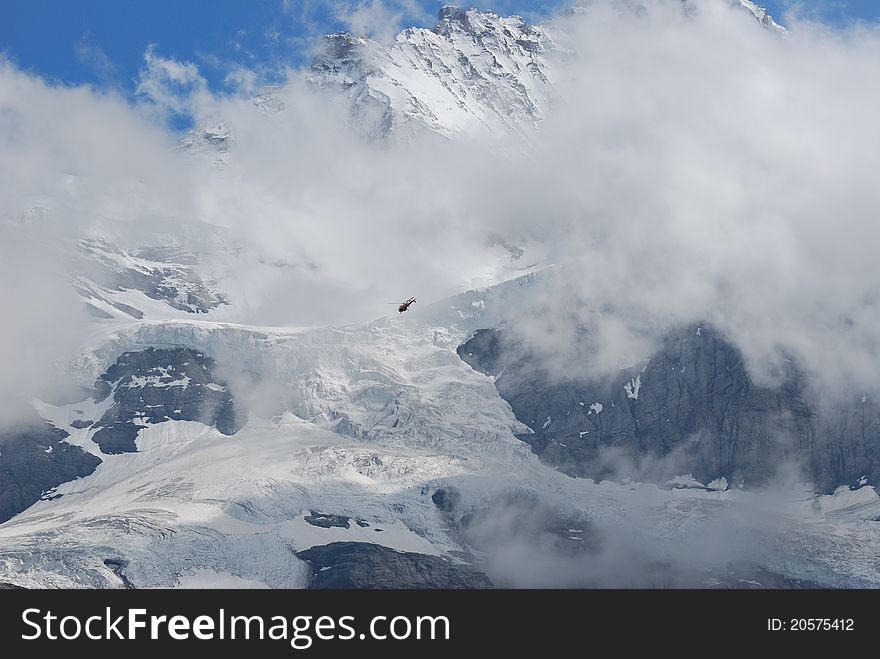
475,72
163,274
692,407
35,459
152,386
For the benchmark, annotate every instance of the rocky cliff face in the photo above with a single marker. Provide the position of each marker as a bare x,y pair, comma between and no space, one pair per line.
475,72
153,386
690,408
363,565
34,459
763,16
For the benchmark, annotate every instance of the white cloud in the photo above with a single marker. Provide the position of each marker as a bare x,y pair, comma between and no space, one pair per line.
93,56
172,86
693,169
70,157
381,20
698,168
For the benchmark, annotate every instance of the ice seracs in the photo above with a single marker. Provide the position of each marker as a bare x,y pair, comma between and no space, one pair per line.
380,424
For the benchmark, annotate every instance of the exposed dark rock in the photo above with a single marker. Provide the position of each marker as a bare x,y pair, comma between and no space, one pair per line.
101,390
327,521
483,352
95,312
127,309
34,459
79,424
691,408
337,51
10,586
358,565
452,18
530,46
549,537
345,66
154,385
66,394
446,499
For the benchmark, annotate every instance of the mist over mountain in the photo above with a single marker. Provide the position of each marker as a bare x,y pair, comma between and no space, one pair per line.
643,352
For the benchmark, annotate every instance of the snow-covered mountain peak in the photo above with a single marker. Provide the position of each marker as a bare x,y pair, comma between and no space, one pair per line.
474,73
479,24
762,15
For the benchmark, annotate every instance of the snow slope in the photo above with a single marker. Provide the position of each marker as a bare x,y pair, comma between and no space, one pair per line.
473,74
370,421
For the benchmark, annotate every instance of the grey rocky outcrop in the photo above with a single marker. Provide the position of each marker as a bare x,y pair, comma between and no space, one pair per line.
360,565
692,407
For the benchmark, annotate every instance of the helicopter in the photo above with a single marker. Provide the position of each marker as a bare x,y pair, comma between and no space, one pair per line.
404,306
